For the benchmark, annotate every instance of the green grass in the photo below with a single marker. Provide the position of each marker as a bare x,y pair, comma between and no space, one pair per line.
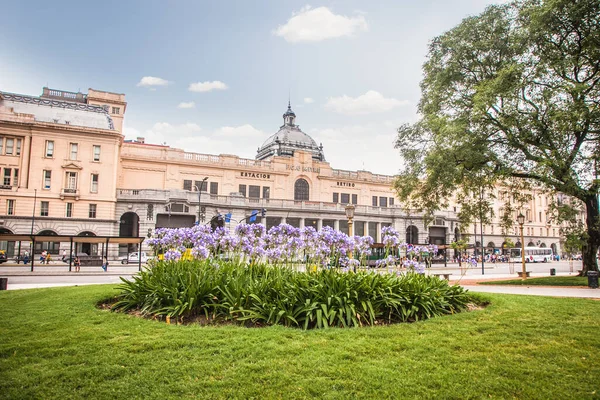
544,281
55,343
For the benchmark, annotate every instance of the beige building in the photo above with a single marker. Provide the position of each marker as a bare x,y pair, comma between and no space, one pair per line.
66,151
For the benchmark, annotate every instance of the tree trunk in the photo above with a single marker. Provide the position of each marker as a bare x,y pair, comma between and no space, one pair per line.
590,249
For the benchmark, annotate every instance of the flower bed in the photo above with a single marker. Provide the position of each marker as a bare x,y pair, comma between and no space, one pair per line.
262,294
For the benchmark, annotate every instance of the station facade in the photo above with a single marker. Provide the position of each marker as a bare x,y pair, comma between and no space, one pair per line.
67,169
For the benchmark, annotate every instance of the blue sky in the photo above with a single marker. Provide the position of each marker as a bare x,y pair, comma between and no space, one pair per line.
218,74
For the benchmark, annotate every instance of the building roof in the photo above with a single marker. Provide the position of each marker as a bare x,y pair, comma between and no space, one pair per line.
58,111
288,139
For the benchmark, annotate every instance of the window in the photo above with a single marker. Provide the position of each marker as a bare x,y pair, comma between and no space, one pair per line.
266,192
71,182
187,185
383,202
44,209
96,153
18,147
301,190
336,197
345,198
47,179
10,207
242,190
49,148
74,149
116,110
355,200
214,188
94,186
374,201
254,191
391,201
10,144
69,211
92,211
1,144
200,185
150,212
7,175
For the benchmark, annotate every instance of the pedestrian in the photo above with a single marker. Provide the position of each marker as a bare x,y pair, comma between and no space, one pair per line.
43,256
77,264
104,264
48,258
64,255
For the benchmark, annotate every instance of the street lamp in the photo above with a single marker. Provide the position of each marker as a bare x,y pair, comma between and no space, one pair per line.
350,216
521,221
199,190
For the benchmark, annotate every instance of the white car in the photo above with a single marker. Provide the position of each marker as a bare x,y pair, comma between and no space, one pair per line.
134,258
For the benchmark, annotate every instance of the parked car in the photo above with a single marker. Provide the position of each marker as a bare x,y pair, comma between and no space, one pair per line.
2,256
134,258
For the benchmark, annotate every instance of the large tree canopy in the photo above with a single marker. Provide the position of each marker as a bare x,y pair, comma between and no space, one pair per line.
510,96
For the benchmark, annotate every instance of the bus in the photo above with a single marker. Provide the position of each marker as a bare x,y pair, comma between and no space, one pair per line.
532,254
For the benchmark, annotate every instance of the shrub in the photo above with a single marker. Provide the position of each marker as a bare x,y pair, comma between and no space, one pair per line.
267,295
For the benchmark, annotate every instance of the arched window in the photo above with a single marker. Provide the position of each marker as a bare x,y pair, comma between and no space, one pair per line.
412,235
129,225
301,190
50,247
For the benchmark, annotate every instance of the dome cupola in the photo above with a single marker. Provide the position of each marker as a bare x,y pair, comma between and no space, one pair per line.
288,139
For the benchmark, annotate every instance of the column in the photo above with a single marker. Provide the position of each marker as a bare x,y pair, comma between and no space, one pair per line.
301,223
283,220
336,224
319,224
378,238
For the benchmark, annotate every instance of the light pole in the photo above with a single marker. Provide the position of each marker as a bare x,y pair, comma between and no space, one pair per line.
199,190
521,221
350,216
481,229
33,214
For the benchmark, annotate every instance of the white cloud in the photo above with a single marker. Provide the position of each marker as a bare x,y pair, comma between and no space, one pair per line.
190,104
368,103
308,100
149,81
316,24
239,132
371,146
240,140
207,86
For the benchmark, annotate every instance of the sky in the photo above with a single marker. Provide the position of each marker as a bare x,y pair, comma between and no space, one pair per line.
215,77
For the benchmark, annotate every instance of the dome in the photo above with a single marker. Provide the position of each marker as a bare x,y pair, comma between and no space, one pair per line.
288,139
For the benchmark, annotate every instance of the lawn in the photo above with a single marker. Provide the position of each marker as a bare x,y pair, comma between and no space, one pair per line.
544,281
55,343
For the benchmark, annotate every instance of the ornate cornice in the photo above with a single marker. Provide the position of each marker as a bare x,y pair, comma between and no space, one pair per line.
57,103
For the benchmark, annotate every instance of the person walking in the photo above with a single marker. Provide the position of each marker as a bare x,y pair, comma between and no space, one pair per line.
104,264
77,263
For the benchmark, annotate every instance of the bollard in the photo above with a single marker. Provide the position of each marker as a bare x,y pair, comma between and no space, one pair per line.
552,271
4,283
593,279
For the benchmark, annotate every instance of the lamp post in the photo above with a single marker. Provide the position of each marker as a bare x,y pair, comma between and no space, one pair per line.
521,221
350,216
199,190
33,214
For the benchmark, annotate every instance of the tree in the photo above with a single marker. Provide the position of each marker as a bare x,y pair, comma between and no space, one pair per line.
510,97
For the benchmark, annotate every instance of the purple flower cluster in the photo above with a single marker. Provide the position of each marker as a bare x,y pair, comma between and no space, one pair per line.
282,244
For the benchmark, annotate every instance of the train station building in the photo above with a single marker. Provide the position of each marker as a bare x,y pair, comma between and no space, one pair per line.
67,169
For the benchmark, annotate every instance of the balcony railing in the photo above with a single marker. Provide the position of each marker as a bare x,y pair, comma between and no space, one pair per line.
221,201
68,192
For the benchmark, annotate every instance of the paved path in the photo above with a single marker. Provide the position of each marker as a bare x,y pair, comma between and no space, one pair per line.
57,274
